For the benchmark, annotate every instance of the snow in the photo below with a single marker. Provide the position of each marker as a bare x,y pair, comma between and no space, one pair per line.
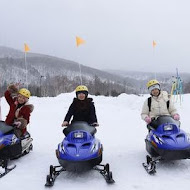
122,134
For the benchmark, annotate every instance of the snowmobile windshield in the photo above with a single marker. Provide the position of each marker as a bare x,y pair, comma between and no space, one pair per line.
164,120
79,125
4,128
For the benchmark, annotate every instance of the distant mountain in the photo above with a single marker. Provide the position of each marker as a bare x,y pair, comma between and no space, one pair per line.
139,79
50,75
39,64
48,68
137,75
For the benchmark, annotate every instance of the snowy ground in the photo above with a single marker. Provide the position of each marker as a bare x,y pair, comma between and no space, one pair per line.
122,133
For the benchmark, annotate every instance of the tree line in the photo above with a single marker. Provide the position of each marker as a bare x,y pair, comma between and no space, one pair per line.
53,86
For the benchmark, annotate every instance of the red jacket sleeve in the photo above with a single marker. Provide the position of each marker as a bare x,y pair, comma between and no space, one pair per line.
8,97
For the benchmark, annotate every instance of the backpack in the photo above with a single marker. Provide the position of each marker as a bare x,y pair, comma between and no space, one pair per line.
150,101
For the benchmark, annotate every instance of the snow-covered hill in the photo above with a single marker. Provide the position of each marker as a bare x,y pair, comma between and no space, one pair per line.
122,133
40,64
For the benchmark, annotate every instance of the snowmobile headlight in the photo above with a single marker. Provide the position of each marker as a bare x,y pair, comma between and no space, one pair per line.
168,127
78,135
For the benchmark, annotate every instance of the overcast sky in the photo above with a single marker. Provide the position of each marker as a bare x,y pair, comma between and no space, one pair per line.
118,33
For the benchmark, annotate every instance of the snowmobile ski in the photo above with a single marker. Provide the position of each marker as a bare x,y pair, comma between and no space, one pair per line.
105,172
3,164
150,165
50,179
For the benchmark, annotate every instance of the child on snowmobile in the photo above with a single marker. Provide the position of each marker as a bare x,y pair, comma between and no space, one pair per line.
82,108
157,105
20,109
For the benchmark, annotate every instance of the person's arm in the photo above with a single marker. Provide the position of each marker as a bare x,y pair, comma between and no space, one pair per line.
93,117
172,110
69,113
8,97
12,89
145,110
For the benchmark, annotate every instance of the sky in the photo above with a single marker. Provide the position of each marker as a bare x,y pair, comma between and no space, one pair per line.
118,33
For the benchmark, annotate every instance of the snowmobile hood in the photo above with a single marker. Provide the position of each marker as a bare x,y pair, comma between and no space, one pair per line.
75,148
170,136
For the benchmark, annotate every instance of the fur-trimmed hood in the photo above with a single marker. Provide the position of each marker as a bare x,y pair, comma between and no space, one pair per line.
31,106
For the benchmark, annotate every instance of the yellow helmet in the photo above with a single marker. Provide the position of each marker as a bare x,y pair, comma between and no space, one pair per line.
25,92
81,88
152,82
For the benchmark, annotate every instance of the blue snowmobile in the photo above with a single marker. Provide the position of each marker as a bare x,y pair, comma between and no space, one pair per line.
165,141
80,151
12,147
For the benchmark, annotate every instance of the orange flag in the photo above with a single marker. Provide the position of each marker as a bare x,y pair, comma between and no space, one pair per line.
26,48
79,41
154,43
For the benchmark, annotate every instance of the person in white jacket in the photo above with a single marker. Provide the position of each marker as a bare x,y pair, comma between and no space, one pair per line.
158,104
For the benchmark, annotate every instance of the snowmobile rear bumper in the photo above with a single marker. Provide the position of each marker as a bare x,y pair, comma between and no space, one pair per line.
80,166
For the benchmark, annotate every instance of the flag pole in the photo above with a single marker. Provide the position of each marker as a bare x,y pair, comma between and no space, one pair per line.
26,69
154,45
0,110
26,49
79,41
0,105
80,73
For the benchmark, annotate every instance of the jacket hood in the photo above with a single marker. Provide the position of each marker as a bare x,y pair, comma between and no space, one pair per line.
30,106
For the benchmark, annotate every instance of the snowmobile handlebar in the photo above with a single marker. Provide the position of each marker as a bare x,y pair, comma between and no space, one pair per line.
94,124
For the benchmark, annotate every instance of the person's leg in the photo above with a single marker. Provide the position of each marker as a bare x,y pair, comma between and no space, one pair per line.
18,132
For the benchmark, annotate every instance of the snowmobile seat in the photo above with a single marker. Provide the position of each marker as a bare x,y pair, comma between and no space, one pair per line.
5,129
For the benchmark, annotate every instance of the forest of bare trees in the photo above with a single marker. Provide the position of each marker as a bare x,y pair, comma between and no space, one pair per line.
50,76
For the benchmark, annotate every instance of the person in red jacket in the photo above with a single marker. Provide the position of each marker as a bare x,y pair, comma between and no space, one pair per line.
20,109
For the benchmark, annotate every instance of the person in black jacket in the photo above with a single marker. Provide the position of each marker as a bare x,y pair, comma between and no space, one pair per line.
82,108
